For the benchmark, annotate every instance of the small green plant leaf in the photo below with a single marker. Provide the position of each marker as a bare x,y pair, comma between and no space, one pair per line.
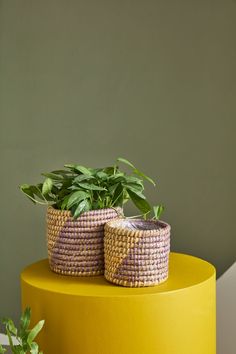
135,191
34,332
26,189
136,171
81,178
76,198
133,180
81,208
112,188
25,319
37,191
47,186
119,177
141,174
110,170
53,176
102,175
83,170
34,348
136,188
118,196
17,349
10,325
9,334
65,202
2,350
91,186
126,162
139,202
158,210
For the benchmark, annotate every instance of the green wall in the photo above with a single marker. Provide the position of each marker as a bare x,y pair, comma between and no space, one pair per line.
88,81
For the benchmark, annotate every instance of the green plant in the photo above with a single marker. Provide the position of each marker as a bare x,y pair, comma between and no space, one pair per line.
24,336
79,189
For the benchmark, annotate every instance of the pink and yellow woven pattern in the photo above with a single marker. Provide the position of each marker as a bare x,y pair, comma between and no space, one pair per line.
76,247
136,252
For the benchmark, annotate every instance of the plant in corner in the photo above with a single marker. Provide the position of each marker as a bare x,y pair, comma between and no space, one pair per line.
24,337
80,201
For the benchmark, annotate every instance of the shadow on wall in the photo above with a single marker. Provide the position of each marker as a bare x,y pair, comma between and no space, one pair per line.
226,312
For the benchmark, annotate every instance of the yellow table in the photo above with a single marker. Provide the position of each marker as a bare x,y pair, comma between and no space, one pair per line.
92,316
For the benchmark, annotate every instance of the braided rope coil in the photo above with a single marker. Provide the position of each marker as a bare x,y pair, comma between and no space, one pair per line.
136,252
76,247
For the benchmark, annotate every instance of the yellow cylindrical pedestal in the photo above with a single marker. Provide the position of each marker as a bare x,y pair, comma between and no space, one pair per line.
92,316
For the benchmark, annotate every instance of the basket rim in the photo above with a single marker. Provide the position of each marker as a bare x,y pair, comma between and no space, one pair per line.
50,209
115,226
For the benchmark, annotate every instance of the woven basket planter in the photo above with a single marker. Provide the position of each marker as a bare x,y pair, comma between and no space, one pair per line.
136,252
76,247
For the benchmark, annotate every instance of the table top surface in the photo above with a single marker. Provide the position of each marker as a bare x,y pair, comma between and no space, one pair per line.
184,271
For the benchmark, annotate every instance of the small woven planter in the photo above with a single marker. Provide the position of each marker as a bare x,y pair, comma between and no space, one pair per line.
76,247
136,252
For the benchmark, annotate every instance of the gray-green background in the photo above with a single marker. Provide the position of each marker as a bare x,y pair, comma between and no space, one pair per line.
88,81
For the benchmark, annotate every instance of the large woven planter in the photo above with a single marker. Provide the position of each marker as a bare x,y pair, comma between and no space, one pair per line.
76,247
136,252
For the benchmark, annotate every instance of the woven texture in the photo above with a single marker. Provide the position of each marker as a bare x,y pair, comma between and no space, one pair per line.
136,252
76,247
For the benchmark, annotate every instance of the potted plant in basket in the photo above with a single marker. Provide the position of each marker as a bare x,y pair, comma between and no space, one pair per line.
137,250
79,202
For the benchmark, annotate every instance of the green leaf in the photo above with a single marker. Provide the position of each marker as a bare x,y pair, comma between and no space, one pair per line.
109,170
112,188
119,177
81,178
102,175
91,186
65,202
70,166
139,202
10,325
2,350
26,189
76,197
136,188
158,210
53,176
82,207
37,190
83,170
126,162
118,196
34,332
139,173
47,186
17,349
135,191
34,348
9,338
25,319
133,179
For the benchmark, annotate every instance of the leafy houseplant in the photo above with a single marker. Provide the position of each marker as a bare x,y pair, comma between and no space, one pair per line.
23,336
79,189
80,201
